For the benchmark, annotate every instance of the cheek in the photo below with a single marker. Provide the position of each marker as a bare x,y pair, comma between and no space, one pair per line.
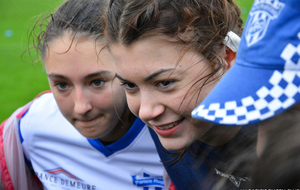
206,90
118,95
65,104
104,100
133,104
182,100
111,99
195,94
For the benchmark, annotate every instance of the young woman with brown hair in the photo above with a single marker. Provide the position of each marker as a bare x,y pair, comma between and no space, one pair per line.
169,54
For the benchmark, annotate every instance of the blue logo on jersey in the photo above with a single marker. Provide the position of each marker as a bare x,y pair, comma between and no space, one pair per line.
148,181
261,14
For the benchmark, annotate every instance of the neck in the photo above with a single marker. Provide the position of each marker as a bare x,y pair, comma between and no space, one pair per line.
127,119
219,135
122,127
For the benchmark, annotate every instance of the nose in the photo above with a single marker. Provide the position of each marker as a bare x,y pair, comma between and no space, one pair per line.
82,102
150,108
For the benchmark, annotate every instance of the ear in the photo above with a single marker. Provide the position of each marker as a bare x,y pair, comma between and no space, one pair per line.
229,57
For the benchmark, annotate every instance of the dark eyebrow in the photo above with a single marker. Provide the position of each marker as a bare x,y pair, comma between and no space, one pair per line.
150,77
120,78
153,75
57,76
97,74
54,75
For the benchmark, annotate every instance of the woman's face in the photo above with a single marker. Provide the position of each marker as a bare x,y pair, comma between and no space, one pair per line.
159,81
81,80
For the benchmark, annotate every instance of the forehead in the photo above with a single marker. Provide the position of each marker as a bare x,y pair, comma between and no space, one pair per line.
83,54
152,54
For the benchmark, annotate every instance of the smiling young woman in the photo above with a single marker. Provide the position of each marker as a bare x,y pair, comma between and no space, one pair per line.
160,75
168,56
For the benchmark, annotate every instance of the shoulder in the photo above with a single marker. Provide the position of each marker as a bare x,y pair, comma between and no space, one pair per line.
42,106
45,101
43,110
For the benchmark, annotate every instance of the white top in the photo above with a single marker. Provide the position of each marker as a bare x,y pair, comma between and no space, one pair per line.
64,159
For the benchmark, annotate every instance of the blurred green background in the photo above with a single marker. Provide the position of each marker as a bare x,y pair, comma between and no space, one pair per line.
20,79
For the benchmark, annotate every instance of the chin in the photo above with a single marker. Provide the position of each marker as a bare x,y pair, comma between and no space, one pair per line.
89,135
174,144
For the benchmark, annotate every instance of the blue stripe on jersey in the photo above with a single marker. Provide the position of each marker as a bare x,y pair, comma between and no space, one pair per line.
22,139
126,140
20,134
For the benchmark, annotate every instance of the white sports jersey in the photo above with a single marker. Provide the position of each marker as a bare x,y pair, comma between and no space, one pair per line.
63,159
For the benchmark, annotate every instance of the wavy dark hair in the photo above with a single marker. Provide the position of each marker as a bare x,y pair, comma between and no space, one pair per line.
82,18
198,24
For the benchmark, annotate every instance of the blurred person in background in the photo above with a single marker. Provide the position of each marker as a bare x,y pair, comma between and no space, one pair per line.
279,163
263,87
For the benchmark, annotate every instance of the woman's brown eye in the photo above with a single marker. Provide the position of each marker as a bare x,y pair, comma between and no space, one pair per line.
130,85
165,83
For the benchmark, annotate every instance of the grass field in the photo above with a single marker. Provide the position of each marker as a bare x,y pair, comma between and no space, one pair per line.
20,81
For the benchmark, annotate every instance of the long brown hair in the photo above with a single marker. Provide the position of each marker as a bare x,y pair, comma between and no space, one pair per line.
198,24
206,22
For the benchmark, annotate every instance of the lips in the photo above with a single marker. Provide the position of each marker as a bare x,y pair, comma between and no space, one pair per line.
87,121
168,129
168,126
